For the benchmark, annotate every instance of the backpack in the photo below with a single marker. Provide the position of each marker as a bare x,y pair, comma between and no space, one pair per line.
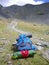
24,42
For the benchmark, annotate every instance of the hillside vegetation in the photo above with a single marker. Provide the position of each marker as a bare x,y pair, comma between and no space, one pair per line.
38,30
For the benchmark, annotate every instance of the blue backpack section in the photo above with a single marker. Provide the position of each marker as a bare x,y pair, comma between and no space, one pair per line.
24,43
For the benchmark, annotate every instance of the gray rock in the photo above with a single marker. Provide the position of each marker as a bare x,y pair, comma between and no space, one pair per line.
46,54
9,63
1,50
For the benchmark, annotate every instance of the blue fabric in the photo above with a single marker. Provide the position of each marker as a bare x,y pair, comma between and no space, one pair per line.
34,47
24,43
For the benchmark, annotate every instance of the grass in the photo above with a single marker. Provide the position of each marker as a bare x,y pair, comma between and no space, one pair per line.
11,36
38,30
36,60
5,32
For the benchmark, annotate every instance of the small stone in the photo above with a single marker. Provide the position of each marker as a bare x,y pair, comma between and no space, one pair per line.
9,63
41,38
38,43
1,50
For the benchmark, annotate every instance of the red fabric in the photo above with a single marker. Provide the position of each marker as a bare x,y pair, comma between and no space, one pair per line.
24,53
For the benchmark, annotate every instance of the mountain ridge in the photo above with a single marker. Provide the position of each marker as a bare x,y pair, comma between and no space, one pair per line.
27,12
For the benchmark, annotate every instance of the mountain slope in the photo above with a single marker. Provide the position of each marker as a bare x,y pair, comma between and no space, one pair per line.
27,12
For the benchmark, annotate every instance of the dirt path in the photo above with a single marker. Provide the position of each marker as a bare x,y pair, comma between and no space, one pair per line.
13,25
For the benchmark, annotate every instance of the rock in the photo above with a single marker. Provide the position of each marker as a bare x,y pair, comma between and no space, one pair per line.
13,44
46,54
41,42
4,40
1,50
8,59
46,43
41,38
38,43
40,48
9,63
